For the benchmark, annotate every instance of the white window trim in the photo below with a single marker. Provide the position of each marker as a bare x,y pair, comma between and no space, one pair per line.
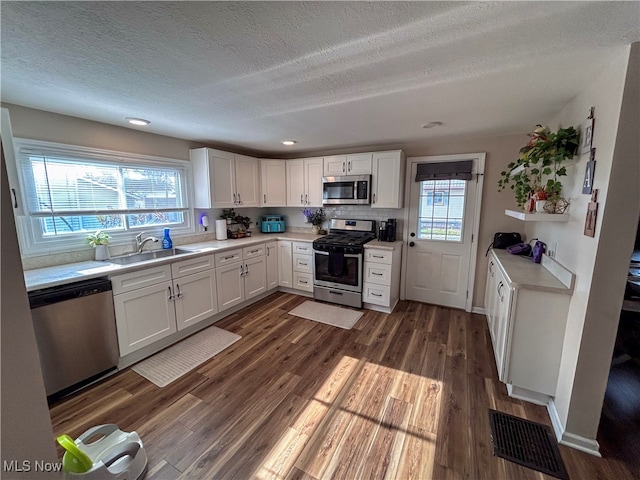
27,225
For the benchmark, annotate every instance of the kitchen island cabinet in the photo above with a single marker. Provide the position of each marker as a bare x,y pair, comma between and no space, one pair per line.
526,308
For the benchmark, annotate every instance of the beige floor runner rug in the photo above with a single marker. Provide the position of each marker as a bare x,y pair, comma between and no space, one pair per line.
329,314
173,362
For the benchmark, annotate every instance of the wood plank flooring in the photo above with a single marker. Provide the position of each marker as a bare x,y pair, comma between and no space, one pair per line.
400,396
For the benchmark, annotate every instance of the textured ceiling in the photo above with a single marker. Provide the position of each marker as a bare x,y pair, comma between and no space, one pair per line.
328,74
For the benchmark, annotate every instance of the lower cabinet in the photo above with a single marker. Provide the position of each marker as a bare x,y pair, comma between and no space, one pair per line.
381,278
285,266
240,275
295,265
152,304
272,264
527,327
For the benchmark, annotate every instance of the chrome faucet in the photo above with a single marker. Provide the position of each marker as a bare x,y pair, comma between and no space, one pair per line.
140,243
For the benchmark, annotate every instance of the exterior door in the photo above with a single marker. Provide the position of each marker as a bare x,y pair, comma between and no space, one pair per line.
442,226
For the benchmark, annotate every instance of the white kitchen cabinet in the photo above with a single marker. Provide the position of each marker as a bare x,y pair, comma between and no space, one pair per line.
241,274
272,264
387,182
273,192
223,179
527,323
150,304
285,266
343,165
381,277
302,266
9,154
304,182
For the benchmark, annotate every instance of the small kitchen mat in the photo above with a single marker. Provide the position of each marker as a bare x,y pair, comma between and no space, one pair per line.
329,314
527,443
171,363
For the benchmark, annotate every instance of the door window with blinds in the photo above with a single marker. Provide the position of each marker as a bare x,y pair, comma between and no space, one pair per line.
442,200
72,191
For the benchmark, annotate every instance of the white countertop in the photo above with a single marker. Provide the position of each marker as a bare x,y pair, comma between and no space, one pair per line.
75,272
523,273
377,244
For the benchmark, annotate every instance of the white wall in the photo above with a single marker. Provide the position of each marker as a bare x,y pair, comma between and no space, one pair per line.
26,427
600,263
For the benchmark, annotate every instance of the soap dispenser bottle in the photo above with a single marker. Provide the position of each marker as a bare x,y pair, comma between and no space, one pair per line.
166,241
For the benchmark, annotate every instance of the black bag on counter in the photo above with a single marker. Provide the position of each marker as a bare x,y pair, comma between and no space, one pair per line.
504,240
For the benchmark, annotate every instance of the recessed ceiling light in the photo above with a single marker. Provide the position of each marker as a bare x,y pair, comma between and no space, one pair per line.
289,142
137,121
432,124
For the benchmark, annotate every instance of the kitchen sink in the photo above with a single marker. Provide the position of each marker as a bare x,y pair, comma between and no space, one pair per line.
144,256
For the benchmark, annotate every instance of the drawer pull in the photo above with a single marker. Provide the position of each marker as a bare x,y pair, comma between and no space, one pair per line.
376,294
378,274
255,251
303,264
303,281
377,256
229,257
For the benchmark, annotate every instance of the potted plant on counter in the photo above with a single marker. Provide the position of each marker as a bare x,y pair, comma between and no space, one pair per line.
99,241
534,176
315,218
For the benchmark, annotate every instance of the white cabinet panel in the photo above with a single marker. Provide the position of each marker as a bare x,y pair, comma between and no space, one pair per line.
195,298
273,181
228,257
304,182
285,265
352,164
376,294
247,175
140,278
230,285
381,278
335,166
303,281
302,263
272,264
387,180
192,265
255,277
144,316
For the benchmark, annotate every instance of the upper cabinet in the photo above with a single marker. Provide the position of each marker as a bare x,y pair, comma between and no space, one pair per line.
304,182
387,189
273,180
353,164
224,180
9,155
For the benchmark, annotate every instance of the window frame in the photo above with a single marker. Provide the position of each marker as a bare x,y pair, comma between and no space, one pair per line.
30,235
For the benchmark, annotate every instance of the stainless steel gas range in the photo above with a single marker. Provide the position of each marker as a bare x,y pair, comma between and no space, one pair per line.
337,261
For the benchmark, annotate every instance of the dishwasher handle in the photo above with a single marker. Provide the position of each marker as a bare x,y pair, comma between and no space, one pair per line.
61,293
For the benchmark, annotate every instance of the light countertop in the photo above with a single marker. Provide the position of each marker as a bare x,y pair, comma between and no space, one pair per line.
523,273
74,272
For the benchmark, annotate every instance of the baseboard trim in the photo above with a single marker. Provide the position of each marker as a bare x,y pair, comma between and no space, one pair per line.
480,310
592,447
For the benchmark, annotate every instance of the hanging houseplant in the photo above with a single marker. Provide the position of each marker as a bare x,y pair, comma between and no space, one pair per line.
535,174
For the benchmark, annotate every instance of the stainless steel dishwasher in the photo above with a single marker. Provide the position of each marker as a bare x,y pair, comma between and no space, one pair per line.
75,330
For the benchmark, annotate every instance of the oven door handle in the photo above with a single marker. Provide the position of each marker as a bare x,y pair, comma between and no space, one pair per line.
346,255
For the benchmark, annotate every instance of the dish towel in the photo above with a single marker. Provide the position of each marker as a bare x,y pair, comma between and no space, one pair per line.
336,264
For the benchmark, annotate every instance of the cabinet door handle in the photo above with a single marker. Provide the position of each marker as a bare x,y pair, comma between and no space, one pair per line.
265,198
170,297
349,167
343,167
374,198
302,198
239,200
241,271
246,269
234,199
306,199
179,294
15,198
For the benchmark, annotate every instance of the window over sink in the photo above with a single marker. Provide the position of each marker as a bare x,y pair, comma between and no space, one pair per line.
70,191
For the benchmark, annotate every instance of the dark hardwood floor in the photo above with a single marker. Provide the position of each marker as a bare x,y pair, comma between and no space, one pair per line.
400,396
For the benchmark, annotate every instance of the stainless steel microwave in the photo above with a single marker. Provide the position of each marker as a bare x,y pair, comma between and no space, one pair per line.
350,190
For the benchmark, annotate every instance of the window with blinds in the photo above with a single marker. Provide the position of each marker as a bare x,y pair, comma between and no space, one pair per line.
70,191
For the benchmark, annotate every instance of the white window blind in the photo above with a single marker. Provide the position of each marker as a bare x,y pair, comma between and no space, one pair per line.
70,190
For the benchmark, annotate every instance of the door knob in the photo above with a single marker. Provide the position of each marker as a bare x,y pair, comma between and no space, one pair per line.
412,244
413,234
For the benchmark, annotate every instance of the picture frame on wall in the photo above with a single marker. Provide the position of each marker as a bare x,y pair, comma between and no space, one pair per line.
586,136
587,184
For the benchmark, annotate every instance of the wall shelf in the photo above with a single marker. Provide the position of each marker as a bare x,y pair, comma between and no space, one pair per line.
538,216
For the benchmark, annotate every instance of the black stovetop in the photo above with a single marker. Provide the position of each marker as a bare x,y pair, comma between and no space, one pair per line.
346,238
